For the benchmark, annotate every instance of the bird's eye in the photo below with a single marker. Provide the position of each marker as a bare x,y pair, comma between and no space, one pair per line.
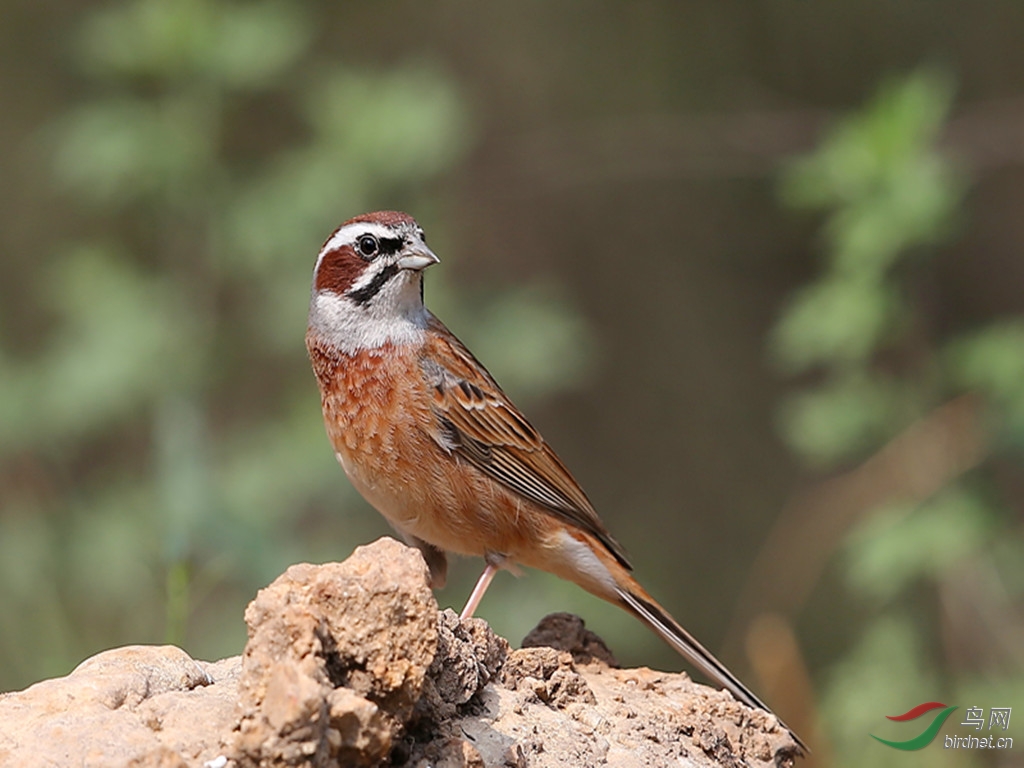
367,246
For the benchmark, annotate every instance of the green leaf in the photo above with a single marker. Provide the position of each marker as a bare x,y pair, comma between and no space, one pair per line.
904,542
122,338
836,321
870,151
372,133
239,45
991,362
118,151
842,419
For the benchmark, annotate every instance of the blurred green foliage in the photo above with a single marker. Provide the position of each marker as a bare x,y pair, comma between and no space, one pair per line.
941,575
166,435
890,195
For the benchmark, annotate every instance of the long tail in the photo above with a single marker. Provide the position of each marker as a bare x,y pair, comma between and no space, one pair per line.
580,557
636,600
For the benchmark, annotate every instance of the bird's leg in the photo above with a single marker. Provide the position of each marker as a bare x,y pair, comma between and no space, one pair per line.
478,591
494,561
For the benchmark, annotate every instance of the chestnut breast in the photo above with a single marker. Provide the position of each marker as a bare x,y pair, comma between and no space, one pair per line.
378,417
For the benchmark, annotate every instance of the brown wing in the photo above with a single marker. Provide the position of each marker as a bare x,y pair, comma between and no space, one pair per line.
477,421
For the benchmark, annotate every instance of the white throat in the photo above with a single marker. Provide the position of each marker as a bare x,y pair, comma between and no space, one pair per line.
395,315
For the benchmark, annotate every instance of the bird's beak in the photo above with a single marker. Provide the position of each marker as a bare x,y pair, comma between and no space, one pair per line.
419,258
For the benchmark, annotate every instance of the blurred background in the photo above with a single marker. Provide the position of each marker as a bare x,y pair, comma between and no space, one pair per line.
754,269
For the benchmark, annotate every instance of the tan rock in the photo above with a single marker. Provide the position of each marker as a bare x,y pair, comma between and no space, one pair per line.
566,632
336,659
352,665
139,705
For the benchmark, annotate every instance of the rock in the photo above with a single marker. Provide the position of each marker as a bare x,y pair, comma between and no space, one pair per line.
336,659
139,706
468,656
352,665
568,633
548,675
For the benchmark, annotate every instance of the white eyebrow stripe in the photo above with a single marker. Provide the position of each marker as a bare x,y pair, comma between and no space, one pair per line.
348,235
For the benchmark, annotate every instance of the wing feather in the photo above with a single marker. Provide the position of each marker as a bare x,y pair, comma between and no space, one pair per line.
477,421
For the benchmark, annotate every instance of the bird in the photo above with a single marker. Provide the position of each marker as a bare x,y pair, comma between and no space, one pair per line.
428,437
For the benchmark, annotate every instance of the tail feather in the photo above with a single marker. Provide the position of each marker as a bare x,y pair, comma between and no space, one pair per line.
657,618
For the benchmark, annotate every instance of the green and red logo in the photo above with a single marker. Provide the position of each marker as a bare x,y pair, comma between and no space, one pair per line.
926,736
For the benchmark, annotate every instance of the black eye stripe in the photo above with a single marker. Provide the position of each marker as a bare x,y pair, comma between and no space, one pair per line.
391,245
369,247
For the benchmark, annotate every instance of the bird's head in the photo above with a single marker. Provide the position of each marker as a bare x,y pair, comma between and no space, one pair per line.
368,282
